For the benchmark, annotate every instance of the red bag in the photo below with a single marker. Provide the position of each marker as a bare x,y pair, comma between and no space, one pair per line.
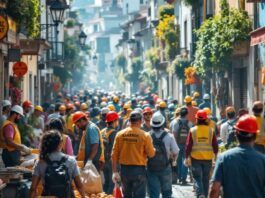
117,193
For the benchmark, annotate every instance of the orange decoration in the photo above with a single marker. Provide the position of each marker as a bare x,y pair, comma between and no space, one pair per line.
20,69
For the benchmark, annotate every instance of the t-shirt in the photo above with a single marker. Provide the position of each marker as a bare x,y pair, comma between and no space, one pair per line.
92,136
68,146
41,165
174,125
9,131
241,171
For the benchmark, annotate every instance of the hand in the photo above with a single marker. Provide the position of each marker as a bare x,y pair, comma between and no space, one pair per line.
116,177
187,162
26,150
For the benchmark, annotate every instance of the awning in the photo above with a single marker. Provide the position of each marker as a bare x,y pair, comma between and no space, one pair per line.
33,46
257,36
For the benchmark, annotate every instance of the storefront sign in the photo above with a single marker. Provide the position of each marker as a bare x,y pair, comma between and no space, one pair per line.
20,69
3,27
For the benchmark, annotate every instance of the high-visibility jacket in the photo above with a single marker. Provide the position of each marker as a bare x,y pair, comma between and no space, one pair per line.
17,138
261,134
202,137
69,123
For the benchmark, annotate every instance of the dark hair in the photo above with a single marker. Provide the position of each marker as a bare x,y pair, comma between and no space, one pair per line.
57,106
245,137
49,143
56,124
201,122
13,112
183,111
5,108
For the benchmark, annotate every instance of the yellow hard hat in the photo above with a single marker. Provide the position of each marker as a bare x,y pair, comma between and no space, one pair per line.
111,107
208,111
194,103
104,99
84,106
115,99
230,109
187,99
196,94
177,110
126,106
38,108
62,108
162,104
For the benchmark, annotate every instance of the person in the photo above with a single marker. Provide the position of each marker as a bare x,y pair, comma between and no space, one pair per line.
69,120
180,129
84,107
102,122
191,110
90,146
206,102
57,124
95,114
196,98
51,146
6,107
257,110
108,135
210,120
125,114
116,103
132,147
201,149
241,170
56,113
62,110
171,109
162,110
147,115
10,139
159,173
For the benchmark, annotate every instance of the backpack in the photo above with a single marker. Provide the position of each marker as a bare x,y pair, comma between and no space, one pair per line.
160,161
231,136
57,179
106,141
182,132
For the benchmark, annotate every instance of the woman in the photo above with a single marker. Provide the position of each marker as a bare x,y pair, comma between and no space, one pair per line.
57,124
50,153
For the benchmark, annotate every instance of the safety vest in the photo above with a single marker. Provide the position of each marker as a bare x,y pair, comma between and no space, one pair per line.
202,137
261,135
17,138
69,123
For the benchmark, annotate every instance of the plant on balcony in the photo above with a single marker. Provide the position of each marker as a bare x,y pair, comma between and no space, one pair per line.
191,76
26,13
172,44
134,75
166,10
121,61
179,65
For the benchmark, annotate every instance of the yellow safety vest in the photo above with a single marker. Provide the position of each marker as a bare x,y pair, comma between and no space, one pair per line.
17,138
202,137
261,135
69,123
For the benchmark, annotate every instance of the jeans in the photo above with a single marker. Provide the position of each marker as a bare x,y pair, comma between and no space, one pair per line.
201,173
108,185
133,179
181,169
160,182
11,158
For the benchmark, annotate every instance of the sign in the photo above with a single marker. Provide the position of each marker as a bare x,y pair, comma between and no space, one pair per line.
20,69
3,27
257,36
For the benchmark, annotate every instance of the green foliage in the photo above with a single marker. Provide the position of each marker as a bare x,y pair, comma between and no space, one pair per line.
166,10
152,55
172,44
179,65
121,61
26,13
136,67
70,23
216,38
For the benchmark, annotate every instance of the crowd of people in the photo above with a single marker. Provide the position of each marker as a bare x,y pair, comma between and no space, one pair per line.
143,143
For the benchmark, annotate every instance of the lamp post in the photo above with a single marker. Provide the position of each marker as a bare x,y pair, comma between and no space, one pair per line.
82,38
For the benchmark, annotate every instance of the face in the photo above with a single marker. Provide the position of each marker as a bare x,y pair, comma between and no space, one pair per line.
18,117
147,116
27,109
82,123
62,112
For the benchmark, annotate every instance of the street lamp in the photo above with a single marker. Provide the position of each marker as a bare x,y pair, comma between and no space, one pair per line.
57,9
82,38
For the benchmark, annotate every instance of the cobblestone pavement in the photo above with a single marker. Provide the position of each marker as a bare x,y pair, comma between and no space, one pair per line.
180,191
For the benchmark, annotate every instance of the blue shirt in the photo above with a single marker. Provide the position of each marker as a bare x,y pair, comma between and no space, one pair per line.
241,171
205,104
92,137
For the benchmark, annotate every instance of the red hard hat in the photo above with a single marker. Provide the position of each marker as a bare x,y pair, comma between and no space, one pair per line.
201,115
70,106
26,104
247,123
78,115
111,116
77,103
147,110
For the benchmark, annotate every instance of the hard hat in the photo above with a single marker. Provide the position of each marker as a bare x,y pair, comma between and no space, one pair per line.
111,107
171,106
201,115
206,97
78,115
147,110
187,99
105,110
139,109
257,105
70,106
84,106
162,104
38,108
157,120
112,116
177,110
126,106
104,99
135,115
115,99
62,108
230,109
77,103
194,103
196,94
247,123
6,103
26,104
103,104
18,109
208,111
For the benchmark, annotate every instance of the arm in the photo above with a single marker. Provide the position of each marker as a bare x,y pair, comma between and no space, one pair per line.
115,154
215,145
189,144
68,146
214,191
93,152
79,186
149,148
9,133
10,142
93,134
223,131
34,186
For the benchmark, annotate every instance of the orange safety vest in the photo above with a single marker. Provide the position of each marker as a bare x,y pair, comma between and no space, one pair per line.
202,143
17,138
261,134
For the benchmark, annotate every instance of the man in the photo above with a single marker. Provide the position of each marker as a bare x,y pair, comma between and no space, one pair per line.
162,110
210,120
69,120
147,113
62,110
201,148
116,104
108,134
191,110
132,148
6,107
159,171
84,107
206,102
241,170
90,146
10,140
56,113
125,114
102,122
257,110
196,98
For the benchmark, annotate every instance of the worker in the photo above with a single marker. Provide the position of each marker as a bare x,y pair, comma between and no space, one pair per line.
108,134
116,104
84,107
206,102
147,115
62,110
191,110
162,110
257,110
124,115
102,122
171,111
10,140
6,107
241,170
211,122
196,98
131,149
69,120
201,150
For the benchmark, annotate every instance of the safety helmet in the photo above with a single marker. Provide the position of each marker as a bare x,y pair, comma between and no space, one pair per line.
230,109
126,106
111,107
115,99
78,115
104,99
194,103
206,97
258,105
208,111
201,115
70,106
162,104
38,108
196,94
26,104
77,103
247,123
84,106
103,104
105,110
187,99
157,120
112,116
171,107
6,103
18,109
62,108
177,111
147,110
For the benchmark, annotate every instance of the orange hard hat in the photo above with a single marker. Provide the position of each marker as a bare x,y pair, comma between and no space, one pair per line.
26,104
112,116
126,106
115,99
62,108
78,115
187,99
247,123
70,106
163,104
208,111
201,115
111,107
147,110
196,94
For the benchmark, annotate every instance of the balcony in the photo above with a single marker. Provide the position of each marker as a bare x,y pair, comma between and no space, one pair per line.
55,55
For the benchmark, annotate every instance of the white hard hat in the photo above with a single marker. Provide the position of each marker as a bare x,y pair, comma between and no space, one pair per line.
105,110
6,103
18,109
206,97
157,120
